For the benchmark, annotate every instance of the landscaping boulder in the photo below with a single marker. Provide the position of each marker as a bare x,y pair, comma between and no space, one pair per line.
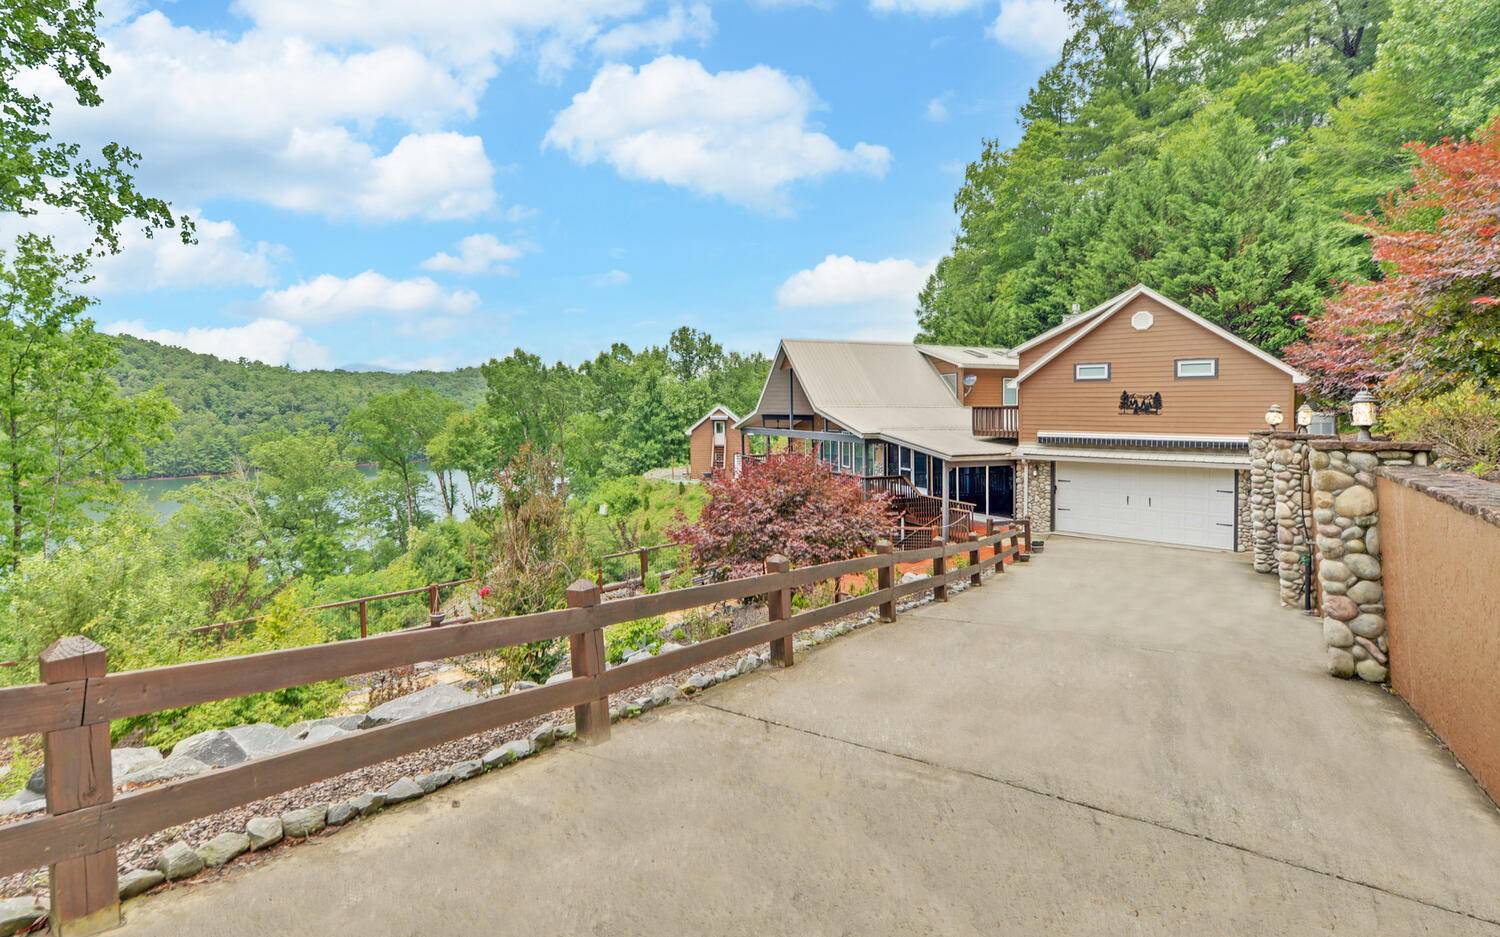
434,699
368,802
17,914
122,761
23,802
222,848
299,730
402,790
339,814
178,861
466,769
264,832
542,736
559,677
220,748
508,753
138,881
169,769
304,821
662,695
912,577
431,782
324,733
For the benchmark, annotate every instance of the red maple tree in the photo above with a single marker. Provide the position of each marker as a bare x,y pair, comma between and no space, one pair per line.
1433,320
790,504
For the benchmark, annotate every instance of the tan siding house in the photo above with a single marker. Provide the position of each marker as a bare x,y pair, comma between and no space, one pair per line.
713,442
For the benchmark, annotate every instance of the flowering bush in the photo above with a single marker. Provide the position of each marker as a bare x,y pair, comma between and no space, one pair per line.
790,504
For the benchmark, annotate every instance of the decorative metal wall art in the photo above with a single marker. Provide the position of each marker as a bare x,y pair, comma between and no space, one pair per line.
1140,403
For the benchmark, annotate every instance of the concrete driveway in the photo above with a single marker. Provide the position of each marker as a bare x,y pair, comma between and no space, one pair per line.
1116,739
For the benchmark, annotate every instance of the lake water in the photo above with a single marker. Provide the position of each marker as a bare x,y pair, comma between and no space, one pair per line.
165,494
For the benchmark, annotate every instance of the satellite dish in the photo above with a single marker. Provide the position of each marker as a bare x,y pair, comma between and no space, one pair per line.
970,380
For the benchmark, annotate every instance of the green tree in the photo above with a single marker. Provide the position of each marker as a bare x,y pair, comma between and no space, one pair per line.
309,489
66,431
394,430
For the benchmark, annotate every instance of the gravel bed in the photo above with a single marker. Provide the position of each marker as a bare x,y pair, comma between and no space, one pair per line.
142,852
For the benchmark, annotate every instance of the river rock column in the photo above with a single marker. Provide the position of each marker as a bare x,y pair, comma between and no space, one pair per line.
1244,527
1038,494
1347,513
1262,503
1288,467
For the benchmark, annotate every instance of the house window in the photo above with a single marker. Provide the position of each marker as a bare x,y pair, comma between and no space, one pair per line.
952,381
919,470
904,463
846,454
718,428
1091,372
1197,367
1010,394
859,457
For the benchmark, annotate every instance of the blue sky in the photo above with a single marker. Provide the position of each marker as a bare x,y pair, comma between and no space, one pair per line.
398,185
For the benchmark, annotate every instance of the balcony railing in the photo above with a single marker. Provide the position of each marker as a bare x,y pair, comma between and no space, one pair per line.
997,422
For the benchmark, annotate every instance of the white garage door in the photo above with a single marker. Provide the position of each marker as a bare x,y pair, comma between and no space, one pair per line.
1193,506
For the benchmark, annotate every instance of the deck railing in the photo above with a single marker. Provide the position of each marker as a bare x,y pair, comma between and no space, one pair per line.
86,823
644,555
996,422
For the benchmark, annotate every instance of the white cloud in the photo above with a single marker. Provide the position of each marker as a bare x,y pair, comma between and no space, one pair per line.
1037,28
612,278
477,254
680,23
329,298
220,258
269,340
841,280
282,120
923,7
741,135
937,109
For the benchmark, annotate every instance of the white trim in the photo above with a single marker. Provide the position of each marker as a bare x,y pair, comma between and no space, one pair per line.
1142,436
1063,326
718,408
1120,457
1079,375
1140,289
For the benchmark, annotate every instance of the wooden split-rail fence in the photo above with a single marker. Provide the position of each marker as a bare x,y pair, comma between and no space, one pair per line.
85,823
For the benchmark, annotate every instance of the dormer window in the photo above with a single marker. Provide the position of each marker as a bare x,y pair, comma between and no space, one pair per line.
1097,371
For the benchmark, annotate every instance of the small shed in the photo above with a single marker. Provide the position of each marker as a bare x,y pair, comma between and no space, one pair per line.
713,442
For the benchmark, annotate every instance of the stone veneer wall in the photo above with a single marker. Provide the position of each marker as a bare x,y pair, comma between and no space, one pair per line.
1262,503
1347,512
1244,535
1039,496
1288,468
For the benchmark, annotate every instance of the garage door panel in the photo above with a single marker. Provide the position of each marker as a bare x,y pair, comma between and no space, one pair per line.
1185,505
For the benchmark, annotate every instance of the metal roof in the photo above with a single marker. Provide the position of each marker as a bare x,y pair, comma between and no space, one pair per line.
972,356
718,409
887,390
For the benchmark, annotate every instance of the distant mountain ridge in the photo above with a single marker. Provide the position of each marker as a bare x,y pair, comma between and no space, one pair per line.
228,405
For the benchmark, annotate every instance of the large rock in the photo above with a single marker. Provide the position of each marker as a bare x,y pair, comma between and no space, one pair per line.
223,747
368,802
22,803
324,733
1339,607
1336,633
1340,662
1331,480
434,699
465,770
1363,565
139,881
170,769
264,832
662,695
179,860
1371,670
508,753
402,790
1368,625
1355,501
431,782
222,848
122,761
300,730
305,821
339,814
1331,570
17,914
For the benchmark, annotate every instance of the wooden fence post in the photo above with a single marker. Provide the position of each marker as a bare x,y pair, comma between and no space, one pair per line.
779,608
989,527
939,567
586,650
645,563
975,579
364,619
85,889
885,578
432,600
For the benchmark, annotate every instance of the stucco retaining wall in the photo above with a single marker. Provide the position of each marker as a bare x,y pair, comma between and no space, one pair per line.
1441,543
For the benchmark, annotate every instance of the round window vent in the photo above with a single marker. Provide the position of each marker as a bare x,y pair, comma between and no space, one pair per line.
1141,320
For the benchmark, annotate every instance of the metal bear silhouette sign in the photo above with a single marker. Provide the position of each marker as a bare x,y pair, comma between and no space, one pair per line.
1140,403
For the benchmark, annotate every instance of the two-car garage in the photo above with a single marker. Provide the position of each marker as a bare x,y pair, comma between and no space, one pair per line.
1189,505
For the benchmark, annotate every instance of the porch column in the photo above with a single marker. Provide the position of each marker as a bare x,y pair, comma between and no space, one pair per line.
945,500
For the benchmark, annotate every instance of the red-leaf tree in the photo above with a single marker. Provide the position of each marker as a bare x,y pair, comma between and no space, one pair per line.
790,504
1433,320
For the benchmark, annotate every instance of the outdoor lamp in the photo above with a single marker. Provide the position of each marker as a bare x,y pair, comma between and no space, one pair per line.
1304,416
1274,416
1362,413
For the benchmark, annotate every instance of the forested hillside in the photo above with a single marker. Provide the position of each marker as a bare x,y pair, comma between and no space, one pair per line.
1216,151
227,406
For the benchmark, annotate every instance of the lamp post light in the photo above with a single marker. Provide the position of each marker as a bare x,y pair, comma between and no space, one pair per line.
1362,413
1304,416
1274,416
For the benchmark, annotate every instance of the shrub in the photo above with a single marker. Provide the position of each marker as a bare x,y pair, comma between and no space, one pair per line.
1463,422
790,504
627,636
699,625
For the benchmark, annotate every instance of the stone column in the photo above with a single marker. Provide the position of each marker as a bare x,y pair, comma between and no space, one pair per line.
1262,503
1039,497
1244,528
1347,513
1288,468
